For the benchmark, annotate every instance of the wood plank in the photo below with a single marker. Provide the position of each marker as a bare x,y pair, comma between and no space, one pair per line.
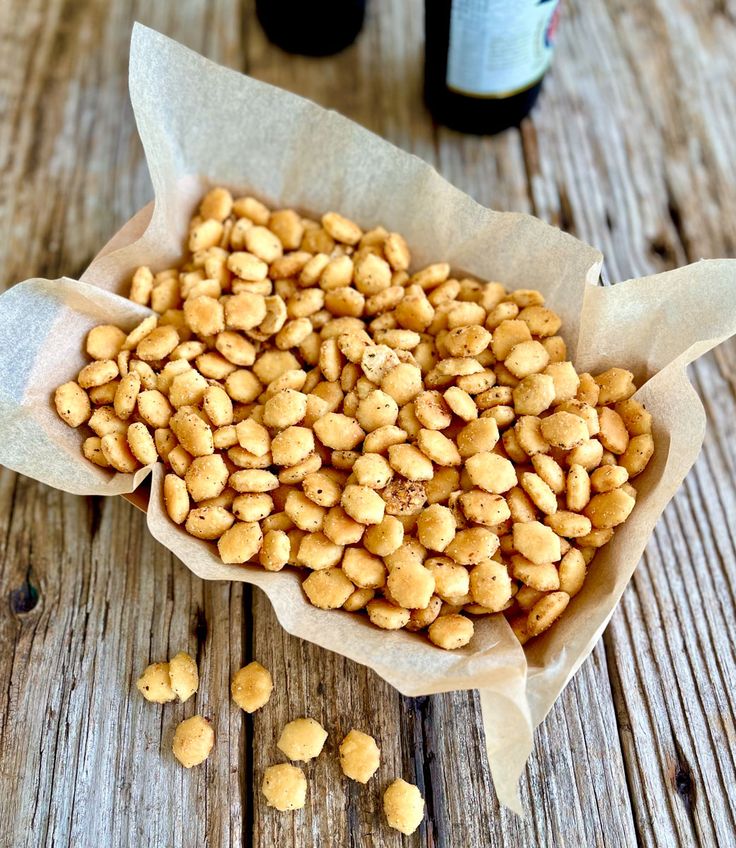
671,635
443,737
650,205
340,695
93,599
85,760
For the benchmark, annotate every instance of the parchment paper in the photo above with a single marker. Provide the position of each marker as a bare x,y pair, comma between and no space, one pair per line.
200,125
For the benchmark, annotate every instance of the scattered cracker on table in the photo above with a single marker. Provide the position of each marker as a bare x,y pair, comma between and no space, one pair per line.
193,741
162,682
285,787
302,739
251,687
403,806
183,675
360,756
418,445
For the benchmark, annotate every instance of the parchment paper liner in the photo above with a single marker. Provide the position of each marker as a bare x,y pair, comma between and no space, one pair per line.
200,125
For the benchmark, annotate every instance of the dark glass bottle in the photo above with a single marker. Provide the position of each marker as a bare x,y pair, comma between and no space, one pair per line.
485,60
311,27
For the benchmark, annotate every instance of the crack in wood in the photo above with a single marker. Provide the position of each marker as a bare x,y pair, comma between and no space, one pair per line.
676,218
530,156
623,726
95,509
567,216
684,783
25,598
200,631
421,712
249,786
662,247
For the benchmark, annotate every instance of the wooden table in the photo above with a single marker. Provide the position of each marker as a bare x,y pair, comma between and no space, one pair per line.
632,149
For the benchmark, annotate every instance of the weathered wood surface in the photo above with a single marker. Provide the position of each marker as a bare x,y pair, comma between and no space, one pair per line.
633,149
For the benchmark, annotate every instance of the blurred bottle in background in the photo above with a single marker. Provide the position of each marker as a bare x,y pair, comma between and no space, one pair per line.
311,27
485,60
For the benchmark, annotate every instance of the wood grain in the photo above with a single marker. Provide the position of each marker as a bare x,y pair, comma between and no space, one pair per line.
632,149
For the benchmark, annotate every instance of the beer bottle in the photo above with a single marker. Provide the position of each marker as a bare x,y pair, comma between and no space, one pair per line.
311,27
485,60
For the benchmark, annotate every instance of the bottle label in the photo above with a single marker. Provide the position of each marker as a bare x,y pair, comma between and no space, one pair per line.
499,47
